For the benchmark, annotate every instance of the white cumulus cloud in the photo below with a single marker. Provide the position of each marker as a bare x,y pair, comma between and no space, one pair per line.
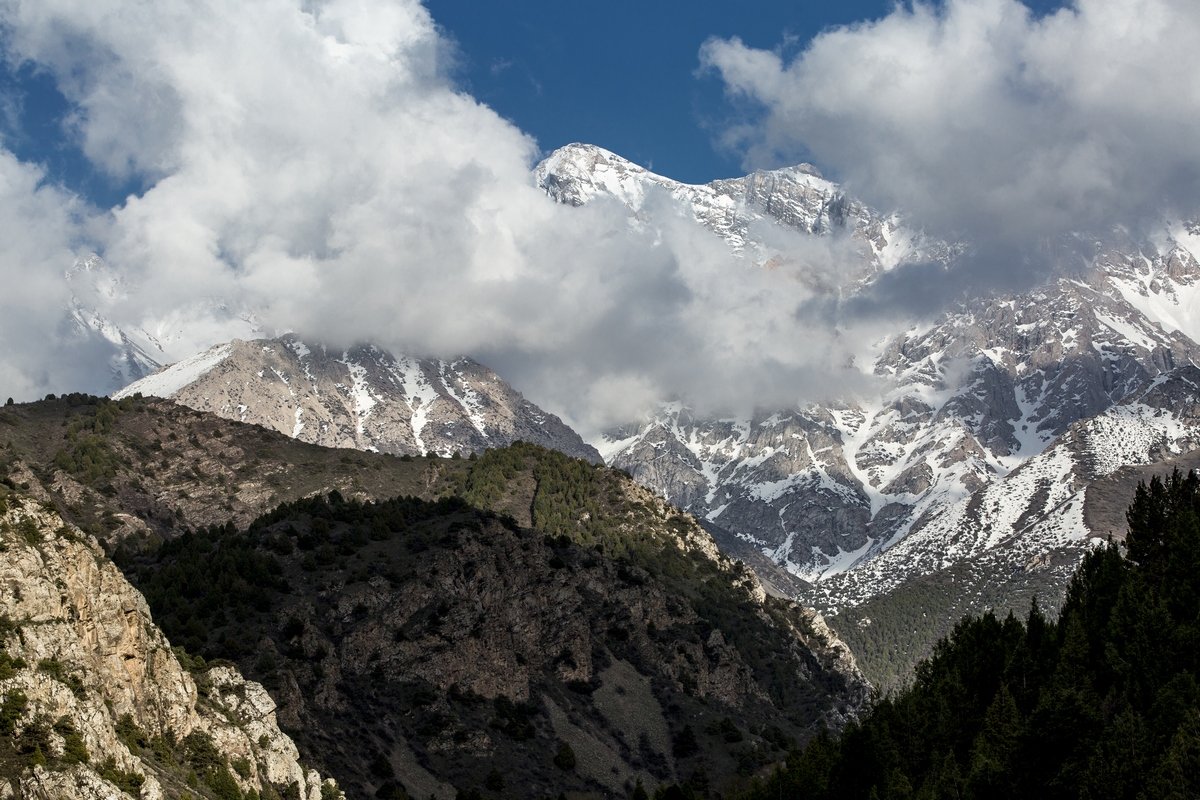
986,123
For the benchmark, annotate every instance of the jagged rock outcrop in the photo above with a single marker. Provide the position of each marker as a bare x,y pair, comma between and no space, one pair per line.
95,704
363,398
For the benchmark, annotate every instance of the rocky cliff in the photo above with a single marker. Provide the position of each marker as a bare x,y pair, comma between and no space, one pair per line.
95,704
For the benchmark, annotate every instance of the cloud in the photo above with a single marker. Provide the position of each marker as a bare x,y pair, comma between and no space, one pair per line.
38,224
310,161
985,123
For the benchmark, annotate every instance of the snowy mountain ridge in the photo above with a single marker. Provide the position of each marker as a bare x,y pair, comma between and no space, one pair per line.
982,404
738,210
136,351
972,400
1039,507
363,398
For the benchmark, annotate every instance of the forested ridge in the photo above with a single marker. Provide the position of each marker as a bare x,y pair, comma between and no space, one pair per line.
549,627
1102,703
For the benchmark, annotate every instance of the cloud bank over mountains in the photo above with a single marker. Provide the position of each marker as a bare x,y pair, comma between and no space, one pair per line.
986,123
312,161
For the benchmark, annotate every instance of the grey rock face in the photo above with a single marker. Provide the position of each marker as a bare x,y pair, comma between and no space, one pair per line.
84,654
364,398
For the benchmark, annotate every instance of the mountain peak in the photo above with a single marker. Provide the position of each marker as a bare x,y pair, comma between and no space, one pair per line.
586,159
797,198
576,173
587,154
363,397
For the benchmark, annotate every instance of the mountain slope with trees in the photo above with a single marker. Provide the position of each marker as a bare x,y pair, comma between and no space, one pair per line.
144,469
1102,703
581,636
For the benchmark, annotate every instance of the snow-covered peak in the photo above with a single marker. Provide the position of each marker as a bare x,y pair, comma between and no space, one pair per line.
740,210
102,300
92,262
577,173
363,397
92,281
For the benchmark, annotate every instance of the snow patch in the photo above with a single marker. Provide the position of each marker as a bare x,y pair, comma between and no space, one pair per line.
420,395
360,393
166,383
1178,310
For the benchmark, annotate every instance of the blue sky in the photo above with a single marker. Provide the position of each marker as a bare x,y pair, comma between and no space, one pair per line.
625,74
36,123
621,74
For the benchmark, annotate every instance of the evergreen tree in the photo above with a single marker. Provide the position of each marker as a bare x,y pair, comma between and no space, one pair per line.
996,749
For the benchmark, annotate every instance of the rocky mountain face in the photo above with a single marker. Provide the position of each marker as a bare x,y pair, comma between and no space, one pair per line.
94,703
993,418
505,609
970,401
1019,536
1041,505
364,398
